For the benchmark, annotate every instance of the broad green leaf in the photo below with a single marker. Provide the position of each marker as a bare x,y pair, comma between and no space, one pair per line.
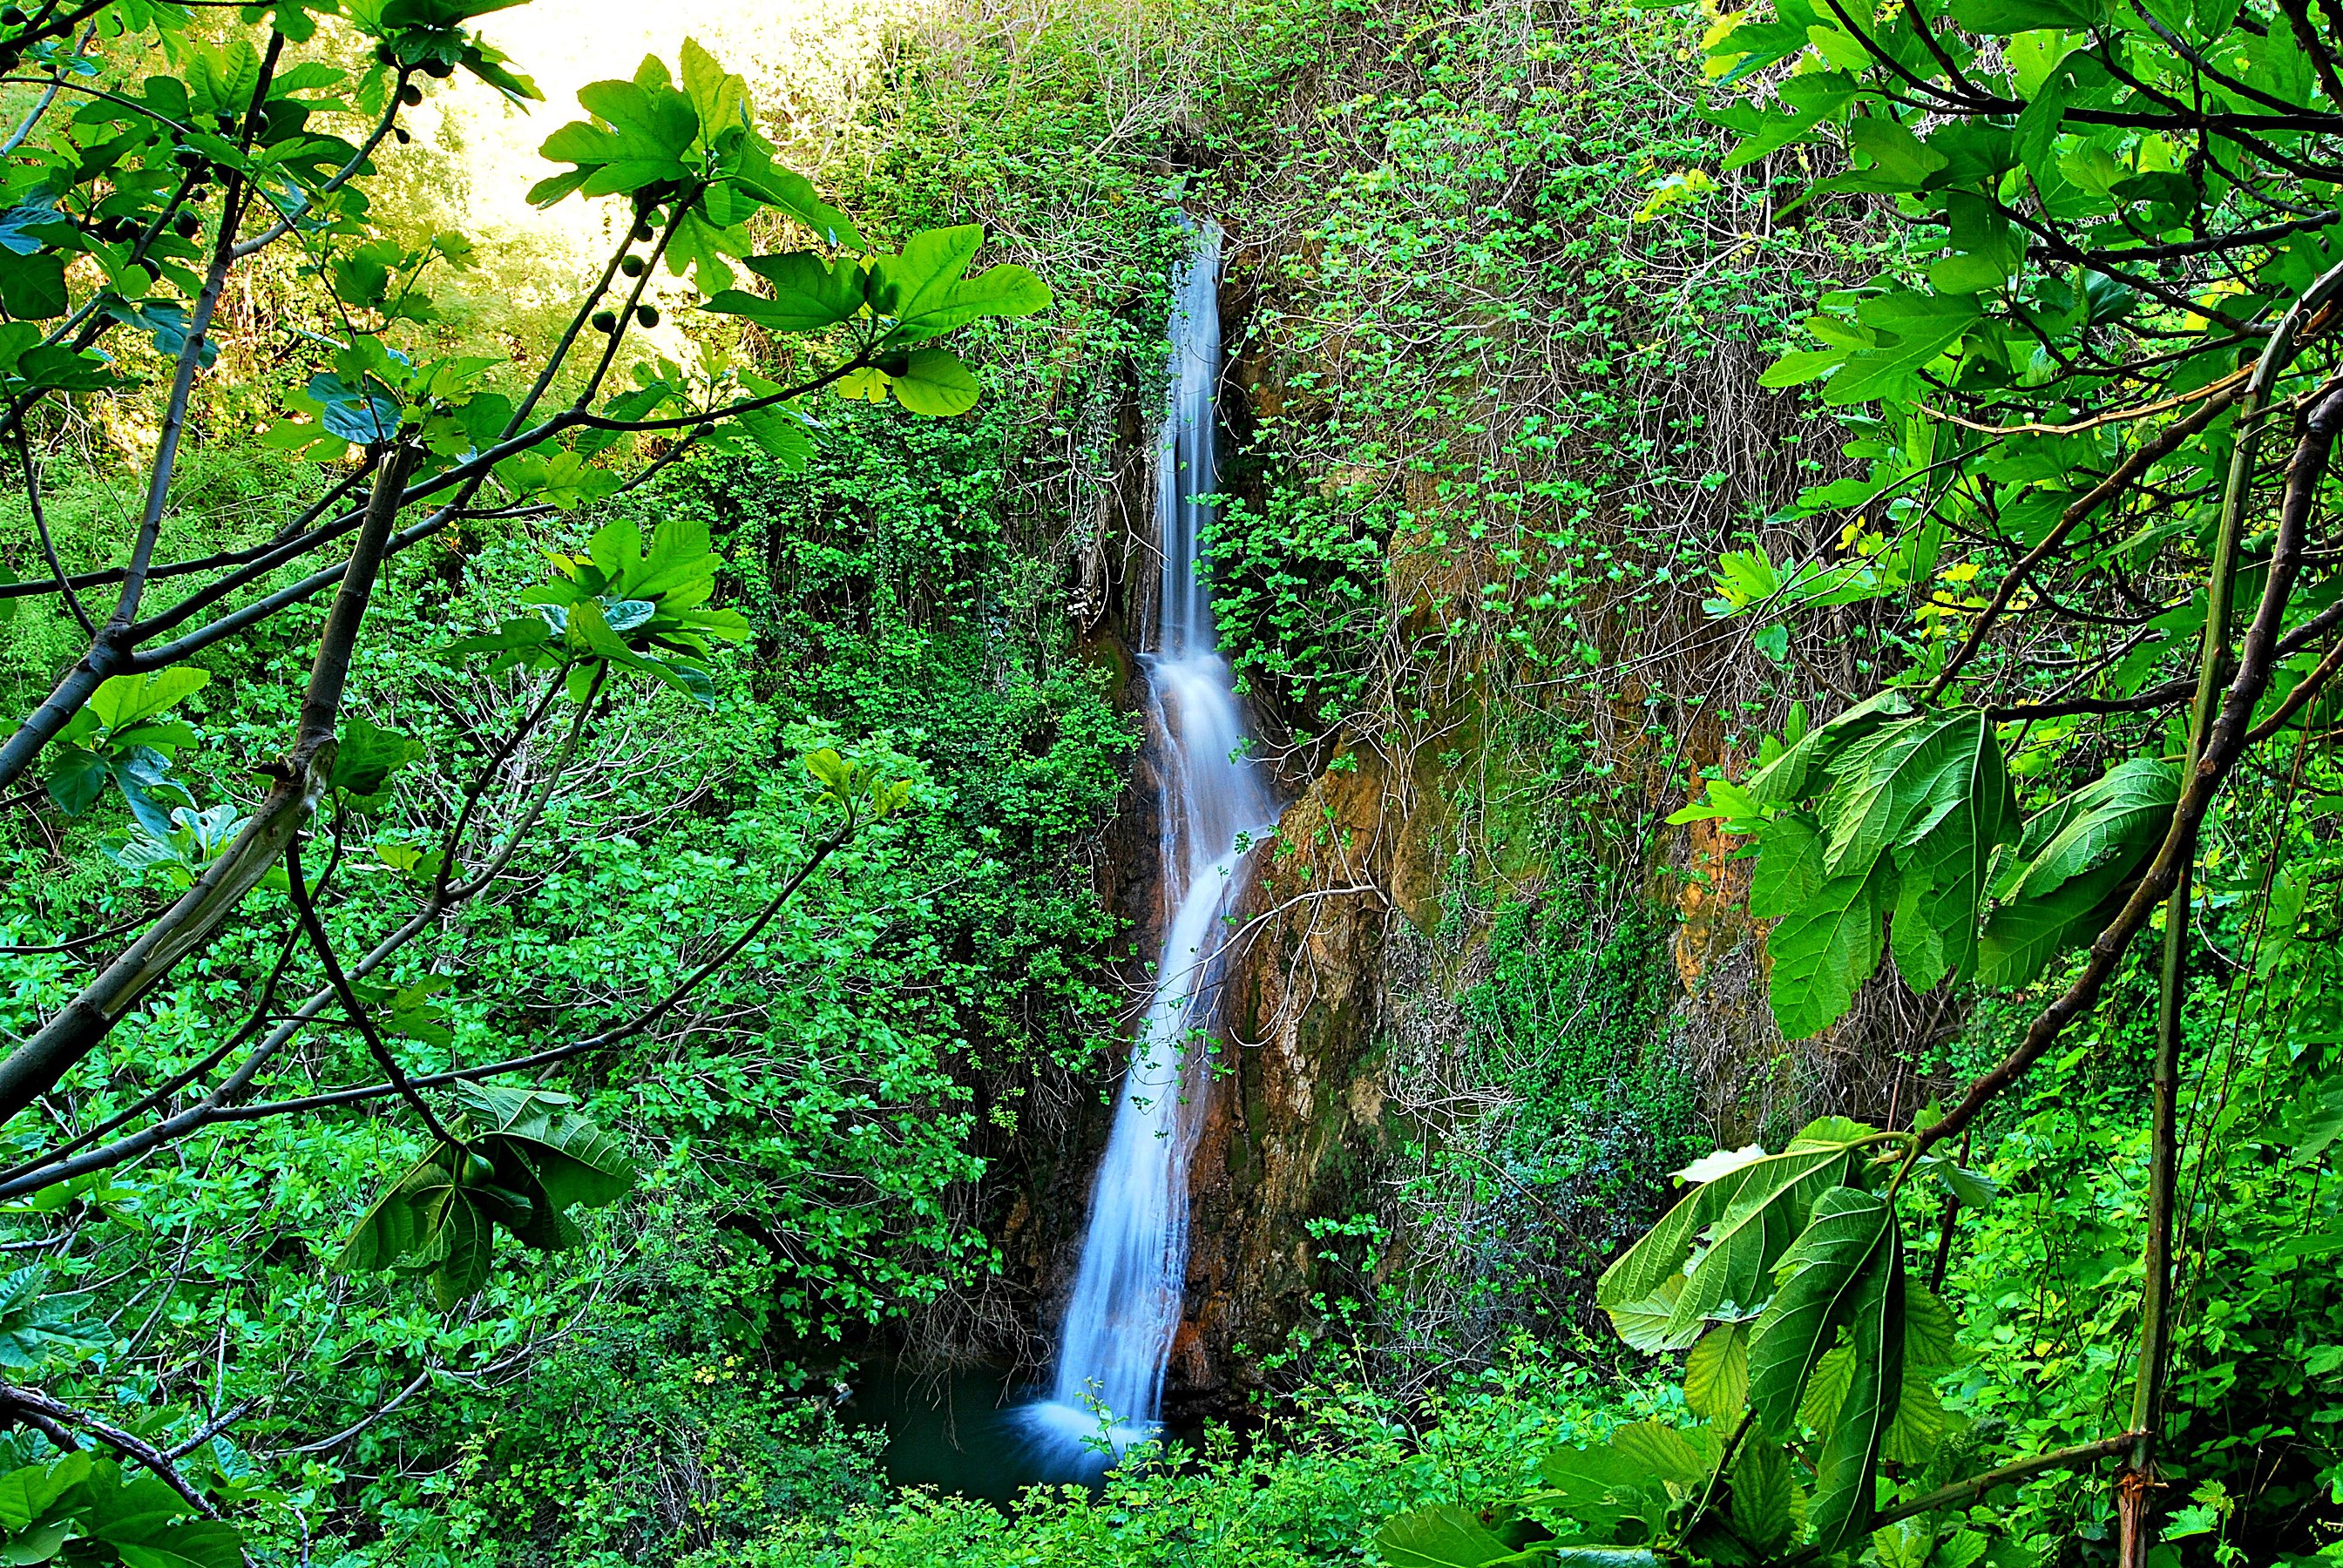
1913,936
357,411
639,135
705,248
1820,1287
1004,290
1912,330
1823,950
1765,1507
2120,816
678,570
2020,938
782,432
1729,1277
934,382
1900,784
1448,1536
389,1230
2321,1126
1946,855
1963,1549
809,294
38,1323
1738,1199
1892,149
1922,1423
616,550
1830,1132
2007,16
40,1545
1716,1374
197,1544
1667,1453
923,291
77,777
33,287
25,1493
2071,865
1809,100
1930,1336
923,276
717,97
1972,1188
1907,1543
367,755
575,1161
123,700
1647,1324
1826,1388
464,1246
1789,870
1847,1461
1605,1486
752,167
1785,779
572,1161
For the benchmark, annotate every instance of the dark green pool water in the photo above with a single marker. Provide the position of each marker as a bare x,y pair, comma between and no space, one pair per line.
967,1433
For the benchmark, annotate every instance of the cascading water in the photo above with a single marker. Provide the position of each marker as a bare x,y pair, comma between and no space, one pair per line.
1116,1339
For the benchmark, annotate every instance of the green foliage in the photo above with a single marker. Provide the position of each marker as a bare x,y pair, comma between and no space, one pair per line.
808,1144
122,738
38,1324
523,1168
1336,1463
615,603
1784,1274
1888,829
1530,1204
81,1509
1297,592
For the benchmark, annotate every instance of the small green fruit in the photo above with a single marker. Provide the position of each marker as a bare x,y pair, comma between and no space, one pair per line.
478,1171
632,267
438,70
187,225
410,95
644,315
605,321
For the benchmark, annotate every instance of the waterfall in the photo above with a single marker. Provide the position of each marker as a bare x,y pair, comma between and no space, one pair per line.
1116,1339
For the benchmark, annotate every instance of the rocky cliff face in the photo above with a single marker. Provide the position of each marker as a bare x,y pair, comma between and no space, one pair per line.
1295,1130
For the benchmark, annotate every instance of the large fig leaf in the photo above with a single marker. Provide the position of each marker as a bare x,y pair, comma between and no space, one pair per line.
1819,1287
1825,948
1735,1202
2117,820
1847,1461
1790,775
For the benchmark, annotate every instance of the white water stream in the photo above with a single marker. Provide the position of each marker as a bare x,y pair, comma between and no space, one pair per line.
1116,1339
